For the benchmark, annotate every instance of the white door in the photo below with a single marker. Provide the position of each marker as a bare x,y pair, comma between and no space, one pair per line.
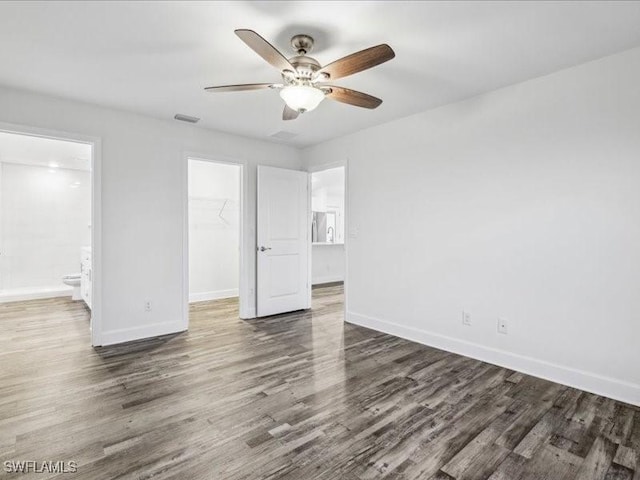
283,240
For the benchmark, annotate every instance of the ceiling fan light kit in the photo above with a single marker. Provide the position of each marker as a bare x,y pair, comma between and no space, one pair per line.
302,98
303,76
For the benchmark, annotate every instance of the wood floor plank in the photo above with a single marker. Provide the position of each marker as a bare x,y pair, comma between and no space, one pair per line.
296,396
618,472
626,457
598,461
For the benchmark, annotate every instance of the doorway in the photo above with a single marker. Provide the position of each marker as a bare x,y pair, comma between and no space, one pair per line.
214,230
49,214
328,226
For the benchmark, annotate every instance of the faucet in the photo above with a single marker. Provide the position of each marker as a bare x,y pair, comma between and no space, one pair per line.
330,234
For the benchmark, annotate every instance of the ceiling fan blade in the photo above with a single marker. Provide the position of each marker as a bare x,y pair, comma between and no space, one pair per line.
352,97
289,113
239,88
264,49
359,61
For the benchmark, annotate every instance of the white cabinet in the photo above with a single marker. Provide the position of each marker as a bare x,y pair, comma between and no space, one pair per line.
85,275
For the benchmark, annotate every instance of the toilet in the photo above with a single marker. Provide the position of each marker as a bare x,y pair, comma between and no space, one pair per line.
73,281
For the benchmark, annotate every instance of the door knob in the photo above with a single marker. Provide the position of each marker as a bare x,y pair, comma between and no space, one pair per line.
262,249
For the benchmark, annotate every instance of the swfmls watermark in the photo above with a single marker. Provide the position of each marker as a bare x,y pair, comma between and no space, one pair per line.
35,466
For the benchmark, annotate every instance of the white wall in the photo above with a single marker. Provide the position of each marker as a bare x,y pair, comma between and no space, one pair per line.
45,221
327,263
214,230
143,191
522,203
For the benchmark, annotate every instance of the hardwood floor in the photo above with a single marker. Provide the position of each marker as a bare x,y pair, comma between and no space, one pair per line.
299,396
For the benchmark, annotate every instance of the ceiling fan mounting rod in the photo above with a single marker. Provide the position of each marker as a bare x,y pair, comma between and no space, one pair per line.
302,43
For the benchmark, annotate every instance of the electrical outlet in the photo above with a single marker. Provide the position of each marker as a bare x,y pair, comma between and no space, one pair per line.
466,318
502,326
147,306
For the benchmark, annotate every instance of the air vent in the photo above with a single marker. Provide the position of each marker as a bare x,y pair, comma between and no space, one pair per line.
186,118
282,135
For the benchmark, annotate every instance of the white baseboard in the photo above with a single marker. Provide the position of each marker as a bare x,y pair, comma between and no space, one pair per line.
137,333
214,295
321,280
19,295
587,381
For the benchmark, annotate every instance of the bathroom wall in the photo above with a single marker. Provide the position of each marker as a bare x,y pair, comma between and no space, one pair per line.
327,263
45,220
214,230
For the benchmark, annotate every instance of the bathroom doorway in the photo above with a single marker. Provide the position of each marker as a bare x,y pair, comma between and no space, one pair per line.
328,226
47,219
214,233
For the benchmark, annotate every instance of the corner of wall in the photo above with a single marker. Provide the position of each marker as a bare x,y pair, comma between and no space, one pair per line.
112,337
590,382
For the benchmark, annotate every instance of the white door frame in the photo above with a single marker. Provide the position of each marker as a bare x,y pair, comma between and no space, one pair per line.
96,212
246,301
328,166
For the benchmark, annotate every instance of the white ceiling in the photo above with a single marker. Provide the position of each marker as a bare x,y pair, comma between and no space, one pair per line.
156,57
46,152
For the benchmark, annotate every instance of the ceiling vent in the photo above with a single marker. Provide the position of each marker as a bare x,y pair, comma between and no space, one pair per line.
186,118
282,135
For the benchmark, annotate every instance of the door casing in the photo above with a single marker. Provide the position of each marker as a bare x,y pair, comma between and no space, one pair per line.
96,212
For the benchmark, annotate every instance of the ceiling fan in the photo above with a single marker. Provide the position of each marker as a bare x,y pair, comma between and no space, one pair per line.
304,86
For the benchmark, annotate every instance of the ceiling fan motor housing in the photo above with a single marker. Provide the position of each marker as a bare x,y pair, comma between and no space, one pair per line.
306,67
